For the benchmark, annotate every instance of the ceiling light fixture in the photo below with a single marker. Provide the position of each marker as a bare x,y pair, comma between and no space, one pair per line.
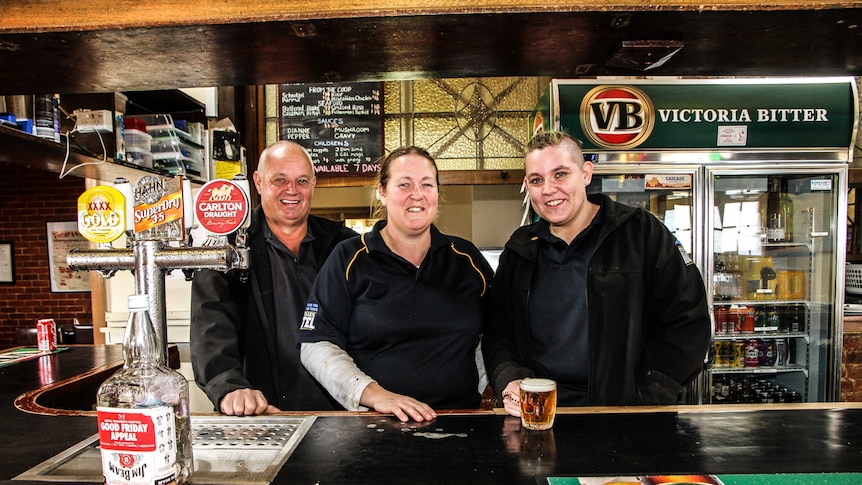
644,55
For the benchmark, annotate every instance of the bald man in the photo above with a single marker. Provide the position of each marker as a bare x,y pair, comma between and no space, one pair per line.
244,332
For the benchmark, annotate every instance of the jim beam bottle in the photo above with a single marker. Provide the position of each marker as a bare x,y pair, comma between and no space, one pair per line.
143,412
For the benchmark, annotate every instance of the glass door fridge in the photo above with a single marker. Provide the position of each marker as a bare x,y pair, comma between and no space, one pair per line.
775,259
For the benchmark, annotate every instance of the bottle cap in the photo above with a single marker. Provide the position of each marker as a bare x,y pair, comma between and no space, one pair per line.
139,302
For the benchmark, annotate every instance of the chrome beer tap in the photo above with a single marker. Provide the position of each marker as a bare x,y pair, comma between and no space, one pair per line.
157,214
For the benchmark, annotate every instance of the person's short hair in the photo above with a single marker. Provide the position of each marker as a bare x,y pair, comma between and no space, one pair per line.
547,139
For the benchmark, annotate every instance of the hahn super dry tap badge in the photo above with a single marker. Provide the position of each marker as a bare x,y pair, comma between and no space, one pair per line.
158,209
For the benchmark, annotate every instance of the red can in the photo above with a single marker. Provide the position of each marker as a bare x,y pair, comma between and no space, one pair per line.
46,335
746,323
752,353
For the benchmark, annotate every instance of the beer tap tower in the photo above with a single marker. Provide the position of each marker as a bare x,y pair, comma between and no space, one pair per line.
157,216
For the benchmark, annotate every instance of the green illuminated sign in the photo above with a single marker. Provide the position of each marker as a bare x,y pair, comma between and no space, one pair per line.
713,114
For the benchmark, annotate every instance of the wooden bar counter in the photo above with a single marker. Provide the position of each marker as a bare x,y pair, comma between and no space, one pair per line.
469,447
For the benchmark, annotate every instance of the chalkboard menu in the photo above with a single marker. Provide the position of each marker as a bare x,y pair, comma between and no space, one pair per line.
340,124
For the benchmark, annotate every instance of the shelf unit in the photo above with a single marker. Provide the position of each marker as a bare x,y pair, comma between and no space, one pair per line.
28,151
175,151
797,342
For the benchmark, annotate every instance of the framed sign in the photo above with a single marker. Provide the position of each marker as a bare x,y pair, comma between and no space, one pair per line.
63,237
7,262
340,124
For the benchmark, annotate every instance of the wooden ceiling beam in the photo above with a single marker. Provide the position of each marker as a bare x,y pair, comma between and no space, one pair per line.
20,16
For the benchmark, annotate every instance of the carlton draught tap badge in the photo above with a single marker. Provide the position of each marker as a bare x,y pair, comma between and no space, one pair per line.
221,206
617,117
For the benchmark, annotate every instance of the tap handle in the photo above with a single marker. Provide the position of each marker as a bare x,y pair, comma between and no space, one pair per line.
189,273
241,264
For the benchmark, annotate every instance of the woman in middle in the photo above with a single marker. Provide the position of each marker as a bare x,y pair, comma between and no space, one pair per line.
395,315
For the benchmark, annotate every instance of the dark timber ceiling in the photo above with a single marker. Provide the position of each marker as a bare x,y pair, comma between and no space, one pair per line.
823,42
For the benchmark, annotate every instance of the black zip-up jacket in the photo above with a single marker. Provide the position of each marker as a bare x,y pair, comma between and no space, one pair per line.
232,338
649,318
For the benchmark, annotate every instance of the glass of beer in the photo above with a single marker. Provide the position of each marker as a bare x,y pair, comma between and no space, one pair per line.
538,403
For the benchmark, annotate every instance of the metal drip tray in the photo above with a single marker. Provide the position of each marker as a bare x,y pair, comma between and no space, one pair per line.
227,450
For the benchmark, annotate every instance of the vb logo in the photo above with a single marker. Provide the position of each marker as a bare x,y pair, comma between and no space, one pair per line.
617,117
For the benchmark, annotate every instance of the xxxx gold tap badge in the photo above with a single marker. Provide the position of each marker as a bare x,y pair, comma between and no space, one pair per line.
101,214
617,117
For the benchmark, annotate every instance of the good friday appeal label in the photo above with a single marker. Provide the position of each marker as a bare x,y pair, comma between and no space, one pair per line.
139,446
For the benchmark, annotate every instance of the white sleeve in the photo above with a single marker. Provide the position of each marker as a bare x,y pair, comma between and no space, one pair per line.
336,371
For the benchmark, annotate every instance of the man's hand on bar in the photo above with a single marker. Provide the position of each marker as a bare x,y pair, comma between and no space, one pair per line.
246,402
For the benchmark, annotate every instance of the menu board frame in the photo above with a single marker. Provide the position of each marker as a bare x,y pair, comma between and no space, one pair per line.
340,124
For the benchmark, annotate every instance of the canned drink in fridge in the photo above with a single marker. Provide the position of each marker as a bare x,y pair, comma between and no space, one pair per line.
46,335
746,321
752,353
736,353
782,352
719,353
767,319
796,315
767,352
723,323
738,317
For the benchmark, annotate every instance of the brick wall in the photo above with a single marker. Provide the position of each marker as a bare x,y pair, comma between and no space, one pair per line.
851,367
28,200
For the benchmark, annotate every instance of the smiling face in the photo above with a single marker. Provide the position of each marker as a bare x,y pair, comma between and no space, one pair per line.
285,180
410,194
557,185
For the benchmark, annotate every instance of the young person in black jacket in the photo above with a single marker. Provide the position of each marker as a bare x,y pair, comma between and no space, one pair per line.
596,295
244,333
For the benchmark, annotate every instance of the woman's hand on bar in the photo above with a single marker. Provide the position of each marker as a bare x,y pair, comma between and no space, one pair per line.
403,407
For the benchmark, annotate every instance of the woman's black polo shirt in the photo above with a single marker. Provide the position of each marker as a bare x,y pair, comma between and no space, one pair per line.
413,330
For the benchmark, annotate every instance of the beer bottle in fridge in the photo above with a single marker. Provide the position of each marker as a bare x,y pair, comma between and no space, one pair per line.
143,411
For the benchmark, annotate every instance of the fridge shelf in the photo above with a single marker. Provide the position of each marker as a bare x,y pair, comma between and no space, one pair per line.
760,302
781,369
788,246
750,335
